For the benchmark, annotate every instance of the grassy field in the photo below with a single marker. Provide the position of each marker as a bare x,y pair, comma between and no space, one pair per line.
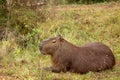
78,24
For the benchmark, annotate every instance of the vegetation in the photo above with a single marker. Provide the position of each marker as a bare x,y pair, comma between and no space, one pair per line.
23,27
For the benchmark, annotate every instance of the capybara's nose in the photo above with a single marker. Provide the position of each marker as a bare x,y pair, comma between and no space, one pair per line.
40,47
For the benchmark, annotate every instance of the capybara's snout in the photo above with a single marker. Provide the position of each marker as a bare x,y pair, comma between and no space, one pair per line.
40,47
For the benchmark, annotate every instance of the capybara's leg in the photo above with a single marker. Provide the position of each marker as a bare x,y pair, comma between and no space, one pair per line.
56,70
59,68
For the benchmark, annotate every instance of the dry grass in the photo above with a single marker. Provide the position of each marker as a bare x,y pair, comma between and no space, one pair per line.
76,23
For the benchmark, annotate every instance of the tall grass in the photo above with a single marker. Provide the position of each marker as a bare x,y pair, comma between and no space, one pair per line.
78,24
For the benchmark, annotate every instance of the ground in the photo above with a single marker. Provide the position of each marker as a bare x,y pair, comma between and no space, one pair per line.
78,24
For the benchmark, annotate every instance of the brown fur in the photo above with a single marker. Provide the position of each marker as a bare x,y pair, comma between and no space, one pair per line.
68,57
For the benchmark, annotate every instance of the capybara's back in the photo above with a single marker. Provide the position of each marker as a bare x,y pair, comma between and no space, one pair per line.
68,57
94,57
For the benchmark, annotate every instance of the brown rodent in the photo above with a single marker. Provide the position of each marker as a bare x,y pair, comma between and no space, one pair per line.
68,57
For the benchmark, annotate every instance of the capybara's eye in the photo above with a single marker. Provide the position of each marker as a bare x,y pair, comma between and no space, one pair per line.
53,41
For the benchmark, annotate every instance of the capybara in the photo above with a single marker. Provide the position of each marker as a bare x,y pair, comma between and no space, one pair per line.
67,57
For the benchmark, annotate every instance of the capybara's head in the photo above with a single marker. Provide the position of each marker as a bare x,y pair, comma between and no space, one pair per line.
51,45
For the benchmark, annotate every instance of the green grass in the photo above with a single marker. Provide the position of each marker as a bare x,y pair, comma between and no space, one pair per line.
78,24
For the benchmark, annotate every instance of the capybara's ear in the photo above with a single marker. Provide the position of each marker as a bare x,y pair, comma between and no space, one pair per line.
60,37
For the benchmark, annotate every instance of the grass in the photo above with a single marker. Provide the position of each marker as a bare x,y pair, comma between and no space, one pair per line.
76,23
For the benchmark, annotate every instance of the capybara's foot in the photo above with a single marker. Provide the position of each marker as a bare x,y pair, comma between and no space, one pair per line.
46,68
55,70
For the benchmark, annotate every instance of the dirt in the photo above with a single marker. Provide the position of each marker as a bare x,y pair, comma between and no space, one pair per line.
5,77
